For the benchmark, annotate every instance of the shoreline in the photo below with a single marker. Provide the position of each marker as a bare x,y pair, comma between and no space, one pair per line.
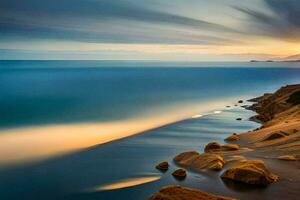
55,140
276,144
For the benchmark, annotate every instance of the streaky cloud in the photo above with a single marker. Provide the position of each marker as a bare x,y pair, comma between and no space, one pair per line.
70,19
283,22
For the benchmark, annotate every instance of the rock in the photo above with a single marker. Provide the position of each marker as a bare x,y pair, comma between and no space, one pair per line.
163,166
212,146
230,147
183,193
240,101
238,119
252,172
197,162
232,137
179,173
287,158
216,166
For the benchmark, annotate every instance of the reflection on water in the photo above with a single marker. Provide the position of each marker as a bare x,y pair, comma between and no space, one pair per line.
127,183
217,112
71,176
196,116
33,143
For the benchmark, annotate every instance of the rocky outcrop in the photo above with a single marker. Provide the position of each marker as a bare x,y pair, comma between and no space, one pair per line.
270,105
183,193
163,166
197,162
252,172
179,173
287,158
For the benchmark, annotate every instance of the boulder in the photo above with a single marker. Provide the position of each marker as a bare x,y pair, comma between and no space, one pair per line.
163,166
252,172
240,101
287,158
197,162
183,193
232,137
239,119
179,173
212,146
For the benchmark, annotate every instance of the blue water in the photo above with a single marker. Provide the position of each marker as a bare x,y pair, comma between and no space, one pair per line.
52,92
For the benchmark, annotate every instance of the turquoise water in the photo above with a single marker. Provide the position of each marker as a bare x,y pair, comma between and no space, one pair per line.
53,92
41,93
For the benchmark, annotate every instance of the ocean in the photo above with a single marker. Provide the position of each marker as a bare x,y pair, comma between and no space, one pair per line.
68,128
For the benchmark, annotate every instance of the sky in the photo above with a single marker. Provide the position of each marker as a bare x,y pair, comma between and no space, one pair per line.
166,30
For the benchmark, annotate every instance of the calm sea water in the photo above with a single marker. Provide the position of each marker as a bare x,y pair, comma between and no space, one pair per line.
51,92
39,93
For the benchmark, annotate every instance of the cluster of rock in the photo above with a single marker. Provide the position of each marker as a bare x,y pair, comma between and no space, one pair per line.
178,173
252,172
280,108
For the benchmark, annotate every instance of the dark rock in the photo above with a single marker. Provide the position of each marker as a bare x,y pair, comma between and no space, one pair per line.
212,146
232,137
163,166
179,173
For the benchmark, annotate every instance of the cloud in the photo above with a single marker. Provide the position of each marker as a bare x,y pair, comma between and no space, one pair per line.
126,21
283,21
